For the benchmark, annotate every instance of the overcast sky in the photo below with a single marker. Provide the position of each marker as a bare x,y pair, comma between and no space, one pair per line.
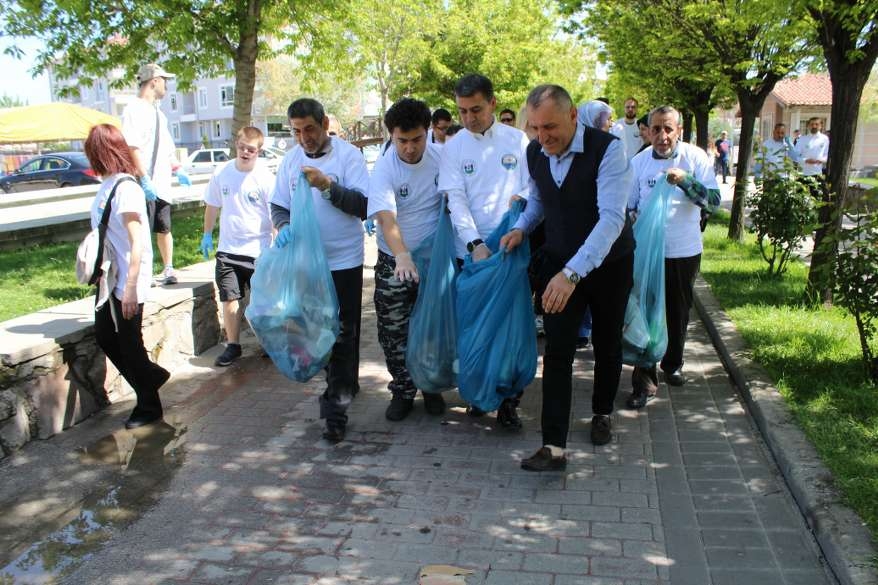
17,80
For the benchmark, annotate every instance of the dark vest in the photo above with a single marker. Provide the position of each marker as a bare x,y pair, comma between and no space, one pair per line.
571,210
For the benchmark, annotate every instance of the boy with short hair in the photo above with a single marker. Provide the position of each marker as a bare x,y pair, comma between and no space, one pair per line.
242,188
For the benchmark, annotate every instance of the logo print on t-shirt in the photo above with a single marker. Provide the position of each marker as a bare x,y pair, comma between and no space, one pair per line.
226,191
651,183
509,161
404,190
253,196
469,166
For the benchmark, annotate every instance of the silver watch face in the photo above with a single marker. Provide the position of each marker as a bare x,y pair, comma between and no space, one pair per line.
573,277
326,193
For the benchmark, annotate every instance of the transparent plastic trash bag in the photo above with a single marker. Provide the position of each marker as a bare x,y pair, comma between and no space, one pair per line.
293,306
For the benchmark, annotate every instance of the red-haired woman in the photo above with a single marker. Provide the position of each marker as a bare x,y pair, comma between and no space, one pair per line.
118,320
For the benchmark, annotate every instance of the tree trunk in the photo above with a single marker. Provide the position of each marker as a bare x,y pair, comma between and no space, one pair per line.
750,106
848,80
245,71
701,129
687,125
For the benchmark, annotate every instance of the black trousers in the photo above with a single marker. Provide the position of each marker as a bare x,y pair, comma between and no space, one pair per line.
605,290
126,351
342,372
680,276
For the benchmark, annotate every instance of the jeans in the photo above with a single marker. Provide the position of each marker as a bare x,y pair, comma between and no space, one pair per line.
342,372
604,290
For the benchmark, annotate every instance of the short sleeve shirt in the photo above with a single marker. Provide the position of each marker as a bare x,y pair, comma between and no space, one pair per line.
630,136
245,219
341,233
410,191
138,126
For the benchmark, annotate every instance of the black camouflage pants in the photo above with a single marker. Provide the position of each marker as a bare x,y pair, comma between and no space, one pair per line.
394,301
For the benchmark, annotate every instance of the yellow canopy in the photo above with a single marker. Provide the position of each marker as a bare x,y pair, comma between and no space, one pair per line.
50,123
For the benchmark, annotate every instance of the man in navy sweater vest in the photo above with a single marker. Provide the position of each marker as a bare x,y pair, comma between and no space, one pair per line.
579,185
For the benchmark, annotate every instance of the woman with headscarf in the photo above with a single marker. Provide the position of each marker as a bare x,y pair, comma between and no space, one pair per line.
596,114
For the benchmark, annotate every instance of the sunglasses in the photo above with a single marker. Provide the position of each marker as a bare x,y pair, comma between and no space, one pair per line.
504,120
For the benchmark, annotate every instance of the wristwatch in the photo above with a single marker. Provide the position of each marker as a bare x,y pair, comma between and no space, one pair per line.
571,276
474,244
327,193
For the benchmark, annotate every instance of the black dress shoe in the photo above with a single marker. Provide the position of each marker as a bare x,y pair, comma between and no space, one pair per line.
433,403
639,399
334,432
675,378
475,411
601,429
507,415
141,420
399,408
542,460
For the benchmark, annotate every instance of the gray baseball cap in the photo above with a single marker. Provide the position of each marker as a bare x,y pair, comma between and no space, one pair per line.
151,71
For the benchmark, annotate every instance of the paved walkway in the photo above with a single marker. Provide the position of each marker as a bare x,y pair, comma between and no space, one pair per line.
239,488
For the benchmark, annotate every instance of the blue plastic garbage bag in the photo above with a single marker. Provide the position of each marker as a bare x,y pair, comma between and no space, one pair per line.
432,342
645,333
497,340
293,307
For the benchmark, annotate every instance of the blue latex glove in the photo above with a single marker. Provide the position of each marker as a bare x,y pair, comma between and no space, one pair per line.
206,245
283,236
369,226
183,178
148,188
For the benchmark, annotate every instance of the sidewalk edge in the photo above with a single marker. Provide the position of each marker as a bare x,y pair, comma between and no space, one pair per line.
841,533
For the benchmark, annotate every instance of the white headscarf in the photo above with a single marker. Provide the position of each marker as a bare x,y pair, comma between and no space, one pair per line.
594,114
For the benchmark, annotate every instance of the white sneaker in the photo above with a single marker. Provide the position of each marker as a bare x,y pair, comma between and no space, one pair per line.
538,321
167,276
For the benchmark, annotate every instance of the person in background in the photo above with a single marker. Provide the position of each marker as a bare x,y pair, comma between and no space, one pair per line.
643,126
723,151
119,314
452,131
596,114
440,122
241,188
813,149
507,117
628,130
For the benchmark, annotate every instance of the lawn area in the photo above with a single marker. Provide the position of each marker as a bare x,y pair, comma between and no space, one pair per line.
37,277
813,355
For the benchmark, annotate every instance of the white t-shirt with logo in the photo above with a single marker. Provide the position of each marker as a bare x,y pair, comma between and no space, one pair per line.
138,126
129,198
245,219
480,172
630,135
683,225
342,234
410,191
814,146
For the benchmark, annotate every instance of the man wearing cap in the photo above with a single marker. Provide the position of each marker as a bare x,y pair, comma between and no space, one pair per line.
481,170
146,131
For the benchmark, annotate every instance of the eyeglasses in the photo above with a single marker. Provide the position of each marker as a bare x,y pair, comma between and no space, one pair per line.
247,149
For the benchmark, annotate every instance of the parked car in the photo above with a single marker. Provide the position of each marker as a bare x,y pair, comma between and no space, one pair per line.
205,160
47,171
271,157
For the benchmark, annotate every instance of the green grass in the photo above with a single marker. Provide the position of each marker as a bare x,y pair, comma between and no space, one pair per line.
812,354
37,277
866,181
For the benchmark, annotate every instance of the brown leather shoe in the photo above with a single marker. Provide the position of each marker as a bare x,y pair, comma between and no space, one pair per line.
542,460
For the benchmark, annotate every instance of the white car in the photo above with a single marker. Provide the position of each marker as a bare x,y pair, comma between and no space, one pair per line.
205,160
271,157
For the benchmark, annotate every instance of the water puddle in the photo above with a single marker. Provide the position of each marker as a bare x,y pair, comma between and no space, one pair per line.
143,462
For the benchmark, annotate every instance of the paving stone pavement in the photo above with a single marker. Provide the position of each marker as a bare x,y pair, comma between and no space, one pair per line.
241,489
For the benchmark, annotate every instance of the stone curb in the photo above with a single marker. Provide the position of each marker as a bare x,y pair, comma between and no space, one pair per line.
841,533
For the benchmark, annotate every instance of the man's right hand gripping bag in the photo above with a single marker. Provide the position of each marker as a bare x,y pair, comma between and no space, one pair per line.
293,306
497,339
645,333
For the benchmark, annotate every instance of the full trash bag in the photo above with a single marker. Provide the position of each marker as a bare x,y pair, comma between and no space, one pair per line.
293,306
497,341
645,332
432,341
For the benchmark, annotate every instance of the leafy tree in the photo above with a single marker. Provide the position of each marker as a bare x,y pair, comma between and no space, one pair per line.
7,101
91,40
848,35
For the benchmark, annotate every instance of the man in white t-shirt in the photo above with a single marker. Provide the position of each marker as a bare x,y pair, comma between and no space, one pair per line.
690,169
241,188
336,171
404,200
776,150
813,149
440,121
146,131
628,130
482,169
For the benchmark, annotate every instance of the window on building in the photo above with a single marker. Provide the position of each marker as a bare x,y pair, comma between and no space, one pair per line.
202,98
100,91
227,95
173,102
175,131
217,129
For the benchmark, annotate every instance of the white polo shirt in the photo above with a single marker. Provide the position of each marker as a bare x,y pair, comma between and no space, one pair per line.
683,225
814,146
138,126
410,191
342,234
245,219
773,153
129,198
630,135
480,172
